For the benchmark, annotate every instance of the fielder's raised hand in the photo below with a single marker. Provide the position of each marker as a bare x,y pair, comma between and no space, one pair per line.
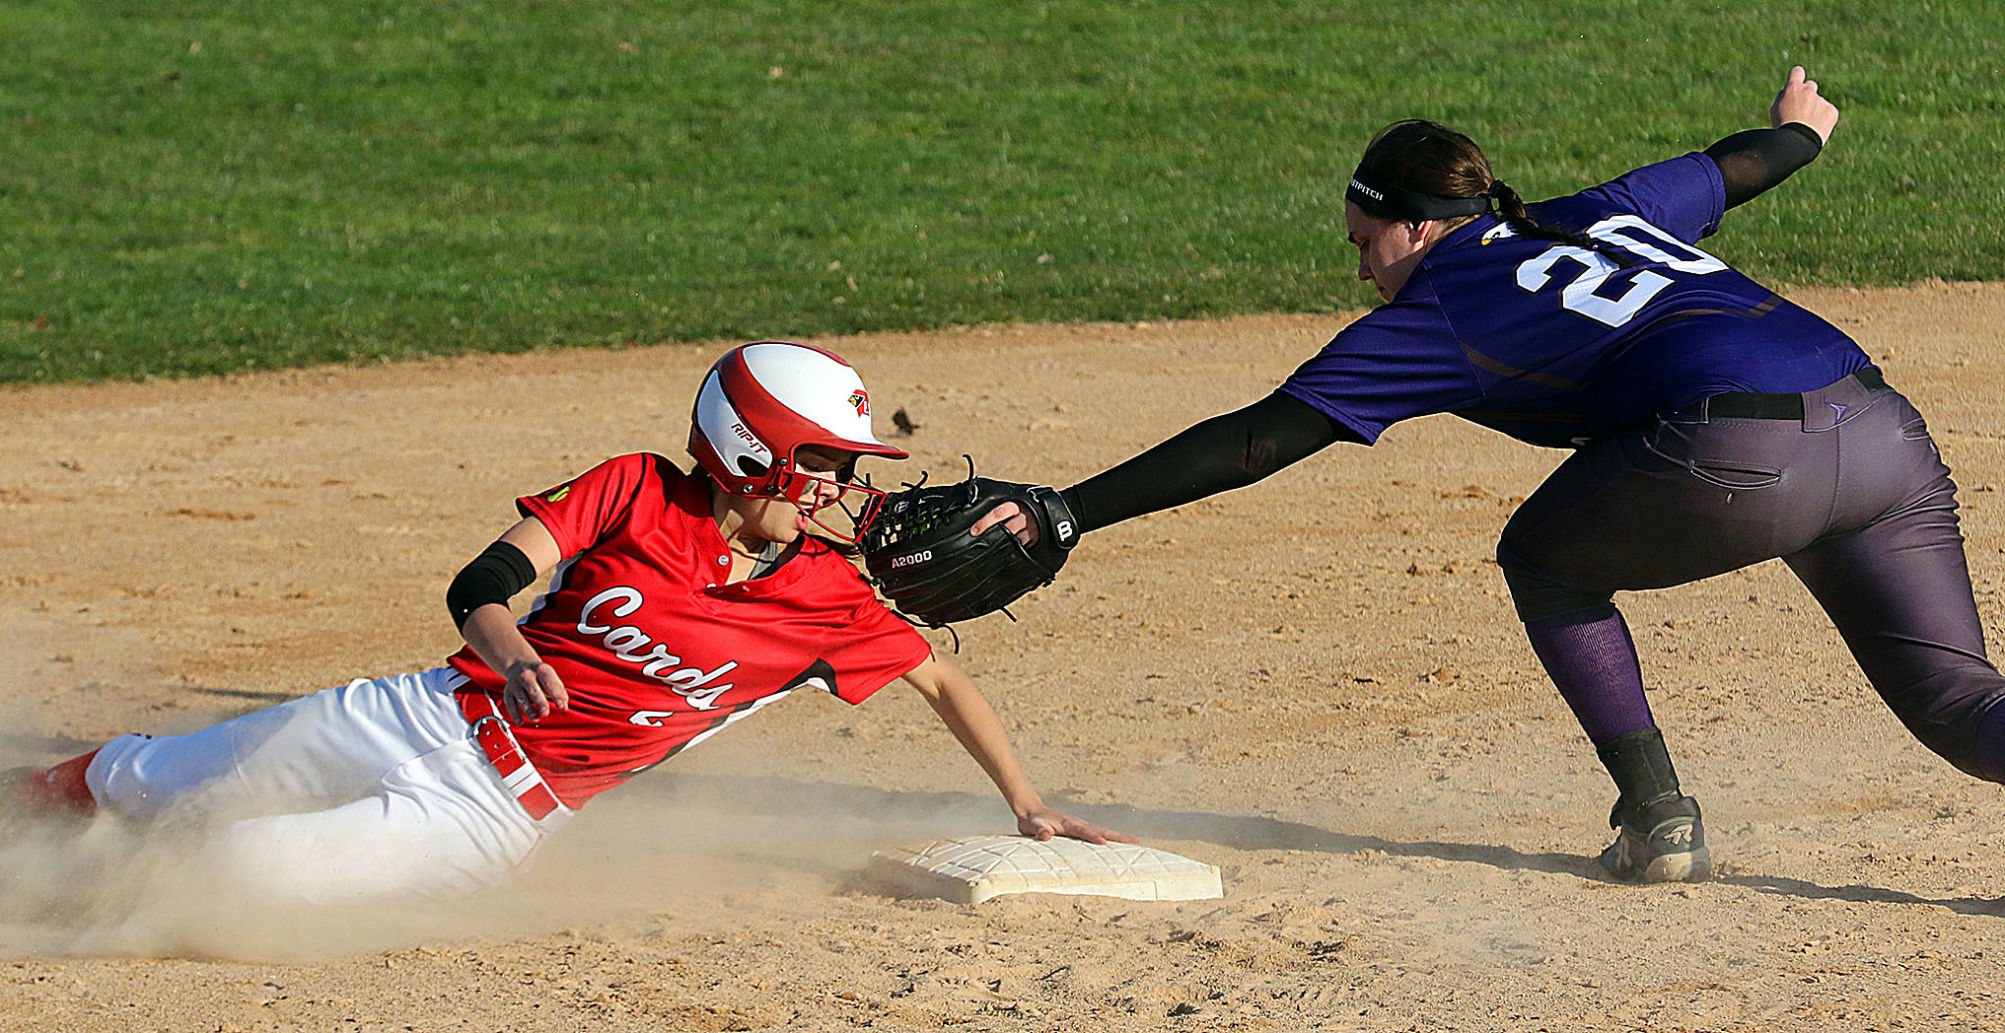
1799,101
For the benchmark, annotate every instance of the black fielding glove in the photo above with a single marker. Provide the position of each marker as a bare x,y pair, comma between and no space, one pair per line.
921,556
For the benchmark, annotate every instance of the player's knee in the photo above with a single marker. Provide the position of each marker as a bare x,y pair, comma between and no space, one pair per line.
118,779
1537,593
1989,749
1960,749
1965,729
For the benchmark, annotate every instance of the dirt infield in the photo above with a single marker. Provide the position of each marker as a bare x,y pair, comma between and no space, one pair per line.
1316,684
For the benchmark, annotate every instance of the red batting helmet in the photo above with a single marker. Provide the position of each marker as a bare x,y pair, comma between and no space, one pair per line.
762,402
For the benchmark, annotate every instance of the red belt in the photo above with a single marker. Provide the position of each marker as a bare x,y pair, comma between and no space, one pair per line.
520,776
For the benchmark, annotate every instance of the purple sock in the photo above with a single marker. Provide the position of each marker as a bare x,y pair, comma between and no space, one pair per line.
1592,660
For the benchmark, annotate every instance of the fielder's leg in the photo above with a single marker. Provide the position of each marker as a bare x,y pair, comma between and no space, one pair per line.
1898,589
1664,505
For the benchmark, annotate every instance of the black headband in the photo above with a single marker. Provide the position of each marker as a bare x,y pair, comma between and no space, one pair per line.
1390,202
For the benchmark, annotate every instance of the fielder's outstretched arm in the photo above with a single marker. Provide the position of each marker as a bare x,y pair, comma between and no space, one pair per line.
1753,161
1222,453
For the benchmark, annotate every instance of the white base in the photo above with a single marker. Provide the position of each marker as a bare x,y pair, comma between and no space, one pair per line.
972,869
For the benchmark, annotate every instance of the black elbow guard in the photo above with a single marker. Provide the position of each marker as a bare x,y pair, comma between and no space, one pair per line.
493,577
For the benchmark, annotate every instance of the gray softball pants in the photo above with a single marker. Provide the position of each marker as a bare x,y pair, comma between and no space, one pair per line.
1851,494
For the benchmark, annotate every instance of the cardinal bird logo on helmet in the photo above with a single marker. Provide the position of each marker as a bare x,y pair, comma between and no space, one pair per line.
860,400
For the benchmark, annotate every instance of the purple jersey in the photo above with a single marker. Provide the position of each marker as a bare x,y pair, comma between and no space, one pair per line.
1554,344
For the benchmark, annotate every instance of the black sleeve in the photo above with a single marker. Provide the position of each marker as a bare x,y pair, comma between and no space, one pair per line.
1220,454
494,576
1754,160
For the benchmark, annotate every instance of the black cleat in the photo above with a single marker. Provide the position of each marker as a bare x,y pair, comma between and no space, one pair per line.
1659,842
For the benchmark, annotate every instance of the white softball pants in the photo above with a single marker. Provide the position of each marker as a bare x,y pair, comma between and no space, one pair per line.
369,792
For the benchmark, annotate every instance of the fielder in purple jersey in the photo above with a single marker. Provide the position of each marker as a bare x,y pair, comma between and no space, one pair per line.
1715,425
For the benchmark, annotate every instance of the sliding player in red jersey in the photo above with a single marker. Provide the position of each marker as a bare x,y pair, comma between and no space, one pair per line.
676,604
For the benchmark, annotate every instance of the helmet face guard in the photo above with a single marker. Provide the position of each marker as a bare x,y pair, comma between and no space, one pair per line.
821,496
761,404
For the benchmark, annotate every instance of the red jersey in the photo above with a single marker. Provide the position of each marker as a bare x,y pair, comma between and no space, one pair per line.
656,651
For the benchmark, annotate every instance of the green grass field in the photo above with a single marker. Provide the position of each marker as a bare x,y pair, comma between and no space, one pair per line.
243,185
